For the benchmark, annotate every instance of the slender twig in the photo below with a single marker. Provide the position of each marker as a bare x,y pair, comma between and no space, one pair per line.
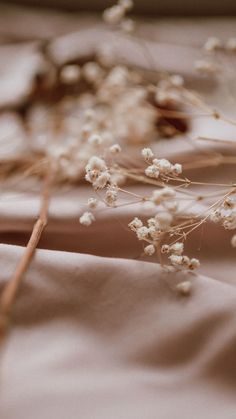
11,288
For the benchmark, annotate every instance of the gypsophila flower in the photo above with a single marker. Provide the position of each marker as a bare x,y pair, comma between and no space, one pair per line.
86,219
111,196
149,250
115,149
142,232
92,72
135,224
70,74
96,163
97,172
176,260
226,214
113,15
160,195
194,264
155,232
205,67
92,203
229,203
176,169
95,140
152,171
89,115
165,248
212,44
164,220
231,44
163,165
176,80
184,288
177,248
127,25
101,180
147,153
184,262
215,216
86,130
126,4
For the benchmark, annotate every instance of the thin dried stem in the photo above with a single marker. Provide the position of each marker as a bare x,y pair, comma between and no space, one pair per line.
11,288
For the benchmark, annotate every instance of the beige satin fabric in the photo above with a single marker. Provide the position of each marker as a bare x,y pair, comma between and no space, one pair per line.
99,333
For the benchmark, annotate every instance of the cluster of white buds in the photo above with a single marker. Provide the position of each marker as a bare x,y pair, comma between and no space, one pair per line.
226,214
160,195
183,261
95,140
160,167
231,45
149,250
184,288
155,227
97,172
177,259
147,154
115,15
115,149
214,44
111,196
92,203
206,67
67,162
169,91
86,219
118,107
70,74
176,248
92,72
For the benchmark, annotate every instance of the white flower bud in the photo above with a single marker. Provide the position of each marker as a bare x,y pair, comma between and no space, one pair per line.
95,140
92,203
152,171
86,219
70,74
212,44
135,224
177,248
149,250
184,288
115,149
142,233
114,14
101,181
194,264
147,153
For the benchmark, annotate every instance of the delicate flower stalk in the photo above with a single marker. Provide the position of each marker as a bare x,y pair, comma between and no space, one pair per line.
11,289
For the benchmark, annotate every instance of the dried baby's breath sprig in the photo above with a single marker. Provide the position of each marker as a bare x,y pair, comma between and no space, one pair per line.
92,203
184,288
120,105
115,15
86,218
213,44
70,74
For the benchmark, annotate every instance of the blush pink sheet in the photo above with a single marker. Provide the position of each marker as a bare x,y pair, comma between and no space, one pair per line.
98,333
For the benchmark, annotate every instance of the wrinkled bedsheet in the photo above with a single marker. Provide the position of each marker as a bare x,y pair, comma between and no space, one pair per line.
96,332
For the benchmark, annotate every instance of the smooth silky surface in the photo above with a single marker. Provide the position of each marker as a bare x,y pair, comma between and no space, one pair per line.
98,333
